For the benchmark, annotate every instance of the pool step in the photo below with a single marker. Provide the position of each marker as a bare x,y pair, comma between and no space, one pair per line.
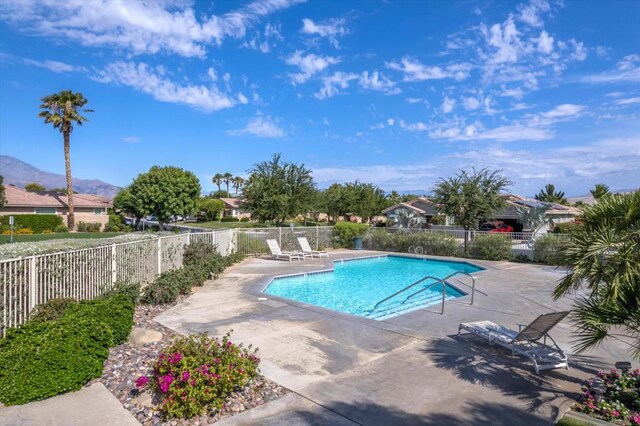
394,308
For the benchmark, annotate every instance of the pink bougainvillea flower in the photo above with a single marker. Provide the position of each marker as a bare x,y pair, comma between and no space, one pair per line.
142,381
185,376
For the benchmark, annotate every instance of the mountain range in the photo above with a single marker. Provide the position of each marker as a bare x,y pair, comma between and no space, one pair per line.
19,173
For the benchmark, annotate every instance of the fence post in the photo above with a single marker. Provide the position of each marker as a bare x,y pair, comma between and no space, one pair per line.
213,238
33,281
159,255
317,237
114,269
189,237
280,236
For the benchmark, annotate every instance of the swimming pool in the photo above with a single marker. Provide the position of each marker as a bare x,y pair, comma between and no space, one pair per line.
355,286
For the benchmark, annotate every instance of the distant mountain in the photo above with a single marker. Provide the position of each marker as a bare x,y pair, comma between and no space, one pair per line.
588,198
19,173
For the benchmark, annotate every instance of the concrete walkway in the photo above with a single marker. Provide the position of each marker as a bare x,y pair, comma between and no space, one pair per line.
411,369
93,405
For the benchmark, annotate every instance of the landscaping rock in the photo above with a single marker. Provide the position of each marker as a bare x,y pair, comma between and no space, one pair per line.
143,336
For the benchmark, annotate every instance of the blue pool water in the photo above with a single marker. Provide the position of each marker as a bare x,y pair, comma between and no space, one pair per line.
356,286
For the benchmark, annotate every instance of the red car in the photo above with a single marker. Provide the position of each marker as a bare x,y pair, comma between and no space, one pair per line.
495,227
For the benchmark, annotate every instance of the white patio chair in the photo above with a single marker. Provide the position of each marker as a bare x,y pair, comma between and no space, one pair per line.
306,248
277,253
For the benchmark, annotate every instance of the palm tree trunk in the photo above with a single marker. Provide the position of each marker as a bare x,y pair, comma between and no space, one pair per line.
227,182
67,164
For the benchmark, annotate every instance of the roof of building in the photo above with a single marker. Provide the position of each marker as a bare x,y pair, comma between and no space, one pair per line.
18,197
405,205
234,203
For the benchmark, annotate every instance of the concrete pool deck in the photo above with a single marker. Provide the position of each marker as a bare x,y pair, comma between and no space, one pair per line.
410,369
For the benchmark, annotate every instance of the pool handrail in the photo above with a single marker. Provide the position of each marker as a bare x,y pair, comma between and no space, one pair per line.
473,285
410,286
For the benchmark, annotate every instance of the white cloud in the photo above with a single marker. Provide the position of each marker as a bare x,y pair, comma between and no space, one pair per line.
391,121
332,84
414,70
261,127
448,105
147,80
415,100
378,82
330,28
242,98
628,101
545,43
131,139
55,66
309,65
470,103
627,70
531,13
140,27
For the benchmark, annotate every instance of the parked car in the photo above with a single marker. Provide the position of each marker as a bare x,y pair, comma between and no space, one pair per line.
496,227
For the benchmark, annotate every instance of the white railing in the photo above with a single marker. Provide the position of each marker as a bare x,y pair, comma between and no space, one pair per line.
252,241
87,273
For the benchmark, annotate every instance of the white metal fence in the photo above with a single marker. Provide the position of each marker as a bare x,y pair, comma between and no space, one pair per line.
85,274
252,241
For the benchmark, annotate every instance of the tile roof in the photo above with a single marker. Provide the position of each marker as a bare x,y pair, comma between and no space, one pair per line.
18,197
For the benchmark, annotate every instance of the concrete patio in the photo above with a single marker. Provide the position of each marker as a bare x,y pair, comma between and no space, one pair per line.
410,369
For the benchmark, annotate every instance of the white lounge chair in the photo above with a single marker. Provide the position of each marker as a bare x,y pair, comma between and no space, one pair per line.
276,253
306,248
526,341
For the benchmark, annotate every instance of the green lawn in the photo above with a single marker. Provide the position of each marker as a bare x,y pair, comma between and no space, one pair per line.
4,239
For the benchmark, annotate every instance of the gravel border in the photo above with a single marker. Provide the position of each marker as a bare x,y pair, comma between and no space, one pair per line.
127,362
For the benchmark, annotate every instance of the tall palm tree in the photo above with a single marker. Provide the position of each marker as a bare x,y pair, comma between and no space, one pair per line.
237,184
217,180
227,179
550,195
600,191
62,110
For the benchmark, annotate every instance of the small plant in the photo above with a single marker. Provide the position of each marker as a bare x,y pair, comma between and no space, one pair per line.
491,247
620,400
547,249
89,227
197,373
61,228
197,251
345,232
24,231
51,310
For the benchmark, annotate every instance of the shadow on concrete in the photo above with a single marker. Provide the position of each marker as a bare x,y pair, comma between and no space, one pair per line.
370,413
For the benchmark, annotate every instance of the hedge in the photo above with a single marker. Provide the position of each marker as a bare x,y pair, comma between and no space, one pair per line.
45,358
491,247
432,243
548,249
36,222
346,231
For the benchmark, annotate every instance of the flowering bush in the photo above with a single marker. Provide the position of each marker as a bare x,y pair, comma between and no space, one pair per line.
198,372
620,400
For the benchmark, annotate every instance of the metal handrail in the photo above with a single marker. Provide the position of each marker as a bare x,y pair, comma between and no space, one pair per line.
415,251
473,285
406,288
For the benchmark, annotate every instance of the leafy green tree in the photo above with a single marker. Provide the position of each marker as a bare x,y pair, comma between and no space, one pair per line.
226,178
220,194
364,199
210,208
126,202
599,191
237,183
334,201
407,218
34,187
217,180
3,199
277,190
603,257
471,197
393,198
62,110
550,195
166,191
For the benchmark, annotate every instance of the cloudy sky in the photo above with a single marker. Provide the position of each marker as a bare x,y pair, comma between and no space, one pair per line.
395,93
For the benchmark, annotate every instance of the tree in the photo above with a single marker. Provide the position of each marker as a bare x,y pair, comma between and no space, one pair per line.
210,208
393,198
602,258
550,195
599,191
277,190
364,199
34,187
227,179
217,180
407,218
3,199
219,194
166,191
62,110
470,197
533,218
126,202
237,184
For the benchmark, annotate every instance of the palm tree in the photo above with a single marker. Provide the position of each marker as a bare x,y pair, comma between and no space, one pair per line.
550,195
217,180
603,257
227,178
62,110
600,191
237,184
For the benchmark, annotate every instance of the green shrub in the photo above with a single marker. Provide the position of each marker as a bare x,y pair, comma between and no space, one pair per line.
88,227
198,250
116,224
61,228
345,232
229,219
36,222
547,249
129,289
51,310
565,227
490,247
43,359
432,243
197,373
245,219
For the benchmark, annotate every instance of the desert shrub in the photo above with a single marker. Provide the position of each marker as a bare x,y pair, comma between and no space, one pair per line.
490,247
166,287
130,289
229,219
547,249
345,232
197,373
88,227
433,243
61,228
43,359
379,239
51,310
198,250
565,227
36,222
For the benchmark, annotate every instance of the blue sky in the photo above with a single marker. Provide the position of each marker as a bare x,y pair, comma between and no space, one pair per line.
394,93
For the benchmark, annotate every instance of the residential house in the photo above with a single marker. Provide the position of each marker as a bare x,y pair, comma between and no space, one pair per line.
416,213
87,207
233,208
